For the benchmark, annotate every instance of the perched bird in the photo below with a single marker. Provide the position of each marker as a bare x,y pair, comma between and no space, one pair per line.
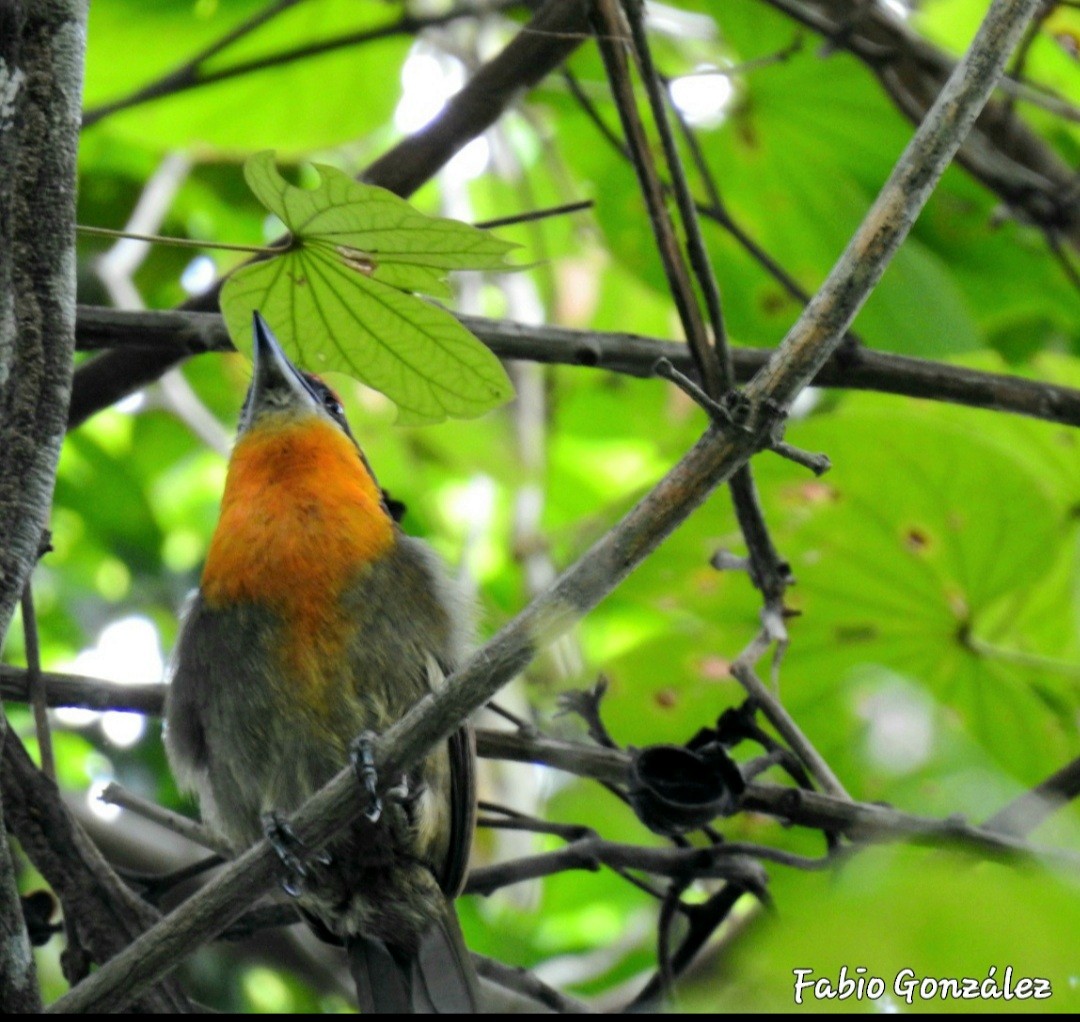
317,619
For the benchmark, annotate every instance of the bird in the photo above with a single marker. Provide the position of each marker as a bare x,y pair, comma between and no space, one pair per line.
317,623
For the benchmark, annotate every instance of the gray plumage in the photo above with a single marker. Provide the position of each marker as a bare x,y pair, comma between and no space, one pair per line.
239,737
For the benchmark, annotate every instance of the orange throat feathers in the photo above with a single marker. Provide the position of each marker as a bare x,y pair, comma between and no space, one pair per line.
300,519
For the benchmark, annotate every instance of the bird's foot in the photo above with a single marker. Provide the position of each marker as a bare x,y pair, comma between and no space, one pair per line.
362,757
294,855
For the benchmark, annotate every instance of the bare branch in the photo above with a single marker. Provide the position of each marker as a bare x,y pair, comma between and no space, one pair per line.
83,692
193,333
527,985
611,30
732,861
536,214
743,671
1026,813
114,794
35,685
874,823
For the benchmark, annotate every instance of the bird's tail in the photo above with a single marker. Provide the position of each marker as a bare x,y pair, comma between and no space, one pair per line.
437,979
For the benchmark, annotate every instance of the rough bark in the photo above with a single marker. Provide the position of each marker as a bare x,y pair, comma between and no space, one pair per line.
41,55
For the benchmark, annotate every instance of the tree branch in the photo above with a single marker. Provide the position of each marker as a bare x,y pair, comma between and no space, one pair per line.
83,692
768,571
743,671
1026,813
873,823
732,861
525,984
103,912
194,333
35,686
41,63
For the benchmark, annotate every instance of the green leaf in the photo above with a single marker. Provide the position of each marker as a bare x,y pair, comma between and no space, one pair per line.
922,553
372,220
287,105
328,317
898,914
335,298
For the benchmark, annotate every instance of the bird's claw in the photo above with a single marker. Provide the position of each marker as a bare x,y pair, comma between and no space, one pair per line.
362,757
291,851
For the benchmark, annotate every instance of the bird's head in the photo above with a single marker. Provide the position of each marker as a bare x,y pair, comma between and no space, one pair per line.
281,393
282,396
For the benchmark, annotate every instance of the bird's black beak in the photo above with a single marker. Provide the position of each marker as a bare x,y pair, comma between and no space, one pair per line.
276,384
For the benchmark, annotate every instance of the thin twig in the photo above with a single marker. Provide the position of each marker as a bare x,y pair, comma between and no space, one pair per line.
195,832
743,671
734,861
158,239
526,984
873,823
186,74
1019,61
514,820
714,210
704,920
1063,259
35,684
666,919
696,251
682,291
155,886
536,214
819,464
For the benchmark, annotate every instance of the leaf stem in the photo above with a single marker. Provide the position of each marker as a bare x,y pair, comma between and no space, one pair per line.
158,239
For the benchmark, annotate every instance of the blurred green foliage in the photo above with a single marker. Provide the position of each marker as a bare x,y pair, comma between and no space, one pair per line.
936,658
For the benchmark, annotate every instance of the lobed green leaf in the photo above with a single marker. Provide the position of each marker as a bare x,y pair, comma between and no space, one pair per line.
336,298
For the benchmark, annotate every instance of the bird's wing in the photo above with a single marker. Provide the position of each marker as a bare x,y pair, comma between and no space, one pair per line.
462,747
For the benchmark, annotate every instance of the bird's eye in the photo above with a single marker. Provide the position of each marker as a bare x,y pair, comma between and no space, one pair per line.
329,400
